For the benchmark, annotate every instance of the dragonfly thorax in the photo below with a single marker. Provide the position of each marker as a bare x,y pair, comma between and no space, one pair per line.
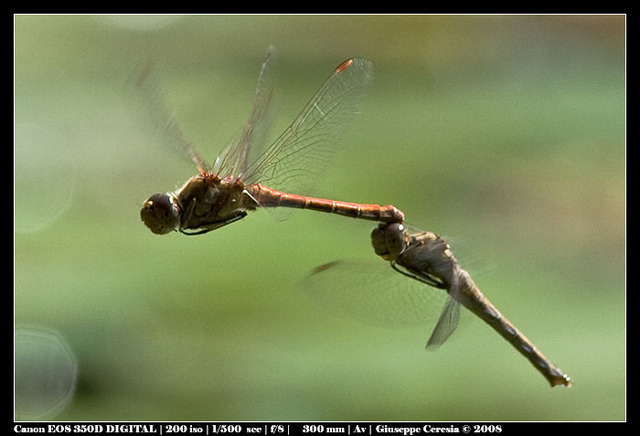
207,202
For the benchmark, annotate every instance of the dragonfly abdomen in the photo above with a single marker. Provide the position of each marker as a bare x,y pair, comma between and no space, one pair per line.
484,309
267,197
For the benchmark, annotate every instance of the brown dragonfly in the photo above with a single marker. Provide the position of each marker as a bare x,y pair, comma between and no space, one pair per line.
427,258
236,183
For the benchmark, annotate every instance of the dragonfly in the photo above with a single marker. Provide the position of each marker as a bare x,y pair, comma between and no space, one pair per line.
428,258
236,183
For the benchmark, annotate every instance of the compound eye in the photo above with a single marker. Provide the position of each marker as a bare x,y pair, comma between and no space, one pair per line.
160,213
388,240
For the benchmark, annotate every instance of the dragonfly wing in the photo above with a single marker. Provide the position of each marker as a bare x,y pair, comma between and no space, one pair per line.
303,151
446,324
147,85
448,271
234,159
373,293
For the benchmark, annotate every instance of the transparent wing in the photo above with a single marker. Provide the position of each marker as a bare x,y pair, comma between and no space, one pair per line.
372,292
234,159
302,152
157,109
446,324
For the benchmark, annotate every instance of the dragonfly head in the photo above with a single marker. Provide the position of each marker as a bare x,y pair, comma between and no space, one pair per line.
389,240
161,213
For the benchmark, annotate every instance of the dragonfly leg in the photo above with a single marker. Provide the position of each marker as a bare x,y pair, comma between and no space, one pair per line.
214,225
423,277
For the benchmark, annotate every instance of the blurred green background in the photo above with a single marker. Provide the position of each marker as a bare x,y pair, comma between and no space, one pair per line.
504,134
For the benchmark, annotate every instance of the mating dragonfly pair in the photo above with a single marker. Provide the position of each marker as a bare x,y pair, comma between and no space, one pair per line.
237,183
